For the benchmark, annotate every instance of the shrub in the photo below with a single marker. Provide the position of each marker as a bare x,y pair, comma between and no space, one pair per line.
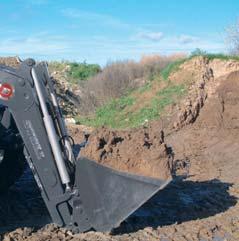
211,56
57,66
171,67
198,52
79,72
119,78
154,64
114,81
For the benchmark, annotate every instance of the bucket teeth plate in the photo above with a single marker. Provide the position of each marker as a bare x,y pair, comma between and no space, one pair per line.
108,196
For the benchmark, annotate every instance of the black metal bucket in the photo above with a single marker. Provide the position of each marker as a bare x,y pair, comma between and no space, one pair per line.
108,196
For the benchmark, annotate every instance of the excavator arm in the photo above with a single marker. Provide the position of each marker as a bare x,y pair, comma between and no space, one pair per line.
79,193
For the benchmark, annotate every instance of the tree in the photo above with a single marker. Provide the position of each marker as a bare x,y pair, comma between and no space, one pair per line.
233,38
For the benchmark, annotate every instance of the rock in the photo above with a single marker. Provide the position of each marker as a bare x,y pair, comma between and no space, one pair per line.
70,121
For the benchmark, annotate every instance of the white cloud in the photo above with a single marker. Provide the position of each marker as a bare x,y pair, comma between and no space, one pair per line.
98,49
39,44
91,17
187,39
153,36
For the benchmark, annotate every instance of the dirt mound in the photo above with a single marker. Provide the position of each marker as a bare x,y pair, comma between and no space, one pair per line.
142,151
198,73
203,76
223,67
222,110
213,138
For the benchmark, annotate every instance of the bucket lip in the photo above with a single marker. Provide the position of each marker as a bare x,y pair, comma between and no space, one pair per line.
143,202
152,180
156,186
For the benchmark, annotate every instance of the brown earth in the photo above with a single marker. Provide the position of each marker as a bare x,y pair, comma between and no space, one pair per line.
203,77
201,203
141,151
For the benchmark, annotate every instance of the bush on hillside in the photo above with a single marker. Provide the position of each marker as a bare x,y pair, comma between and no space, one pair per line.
198,52
82,71
118,78
114,81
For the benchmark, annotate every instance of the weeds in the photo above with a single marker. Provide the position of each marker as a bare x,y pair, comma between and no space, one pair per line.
109,114
74,72
222,57
171,67
169,91
210,56
118,113
79,72
57,66
118,78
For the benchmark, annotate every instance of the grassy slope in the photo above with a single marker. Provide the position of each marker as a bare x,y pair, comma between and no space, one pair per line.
140,106
146,103
133,110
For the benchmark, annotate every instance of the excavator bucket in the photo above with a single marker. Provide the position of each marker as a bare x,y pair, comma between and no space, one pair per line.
109,196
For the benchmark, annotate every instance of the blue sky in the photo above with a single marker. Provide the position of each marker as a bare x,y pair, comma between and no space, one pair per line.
99,31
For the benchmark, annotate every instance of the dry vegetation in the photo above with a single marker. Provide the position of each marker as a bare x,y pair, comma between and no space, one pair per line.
119,78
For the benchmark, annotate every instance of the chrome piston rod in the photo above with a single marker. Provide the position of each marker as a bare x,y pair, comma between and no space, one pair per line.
50,129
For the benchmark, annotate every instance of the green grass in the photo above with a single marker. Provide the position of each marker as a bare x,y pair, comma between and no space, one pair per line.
144,88
82,71
210,56
171,67
76,73
174,66
112,114
171,90
118,114
222,57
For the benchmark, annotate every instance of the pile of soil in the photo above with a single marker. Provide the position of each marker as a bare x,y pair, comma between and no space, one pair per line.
211,142
141,151
203,77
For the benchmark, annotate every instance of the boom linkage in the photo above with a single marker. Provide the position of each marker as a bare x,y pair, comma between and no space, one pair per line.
35,113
